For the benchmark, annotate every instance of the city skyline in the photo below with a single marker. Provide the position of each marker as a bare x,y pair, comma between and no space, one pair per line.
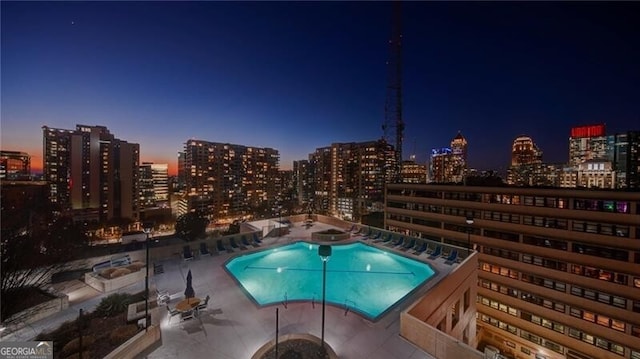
298,76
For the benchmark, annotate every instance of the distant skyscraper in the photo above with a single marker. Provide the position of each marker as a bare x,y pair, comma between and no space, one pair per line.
234,178
182,171
91,173
526,163
590,143
303,181
449,164
412,172
626,160
154,184
357,171
15,165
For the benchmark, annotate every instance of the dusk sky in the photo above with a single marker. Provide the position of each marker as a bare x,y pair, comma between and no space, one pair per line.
297,76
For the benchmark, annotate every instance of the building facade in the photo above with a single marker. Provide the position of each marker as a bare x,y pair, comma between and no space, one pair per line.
303,182
590,143
154,185
559,269
351,170
91,174
15,166
449,164
230,179
412,172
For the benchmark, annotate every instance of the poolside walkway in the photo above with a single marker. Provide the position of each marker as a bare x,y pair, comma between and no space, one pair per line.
233,327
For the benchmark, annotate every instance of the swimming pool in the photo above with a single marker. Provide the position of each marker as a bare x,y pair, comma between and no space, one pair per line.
361,278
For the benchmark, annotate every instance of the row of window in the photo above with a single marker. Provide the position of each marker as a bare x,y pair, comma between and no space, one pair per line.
598,296
598,318
544,322
606,229
541,341
599,342
598,273
545,242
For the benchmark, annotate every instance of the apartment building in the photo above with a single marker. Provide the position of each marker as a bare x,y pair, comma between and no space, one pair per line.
91,174
559,269
229,178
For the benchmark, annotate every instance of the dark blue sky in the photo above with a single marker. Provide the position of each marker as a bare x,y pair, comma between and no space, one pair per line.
297,76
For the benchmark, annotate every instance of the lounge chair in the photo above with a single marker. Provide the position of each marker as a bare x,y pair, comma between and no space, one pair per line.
421,249
386,239
204,251
352,228
436,253
244,241
409,244
186,253
172,313
395,242
376,237
162,297
430,249
232,242
220,246
453,257
256,239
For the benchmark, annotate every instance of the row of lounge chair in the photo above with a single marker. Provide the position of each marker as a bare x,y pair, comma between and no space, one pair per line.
417,247
187,253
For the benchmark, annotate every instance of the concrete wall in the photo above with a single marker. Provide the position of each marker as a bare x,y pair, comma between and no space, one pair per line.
443,322
136,345
38,312
108,285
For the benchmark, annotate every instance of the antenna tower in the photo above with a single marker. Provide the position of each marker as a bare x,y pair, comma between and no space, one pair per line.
393,104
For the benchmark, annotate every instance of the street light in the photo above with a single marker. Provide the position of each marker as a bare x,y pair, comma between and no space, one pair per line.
324,251
469,224
147,227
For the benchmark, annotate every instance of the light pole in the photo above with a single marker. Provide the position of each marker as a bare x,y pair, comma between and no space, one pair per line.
324,251
469,224
147,226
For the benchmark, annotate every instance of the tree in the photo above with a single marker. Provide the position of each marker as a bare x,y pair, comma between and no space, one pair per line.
30,258
191,226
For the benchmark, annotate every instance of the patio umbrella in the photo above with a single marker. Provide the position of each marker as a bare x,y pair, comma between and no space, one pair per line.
189,292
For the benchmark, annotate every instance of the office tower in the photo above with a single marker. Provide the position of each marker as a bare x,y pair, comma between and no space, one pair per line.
526,167
15,165
627,165
230,179
154,185
92,174
559,273
590,143
182,172
412,172
596,174
355,171
449,164
303,181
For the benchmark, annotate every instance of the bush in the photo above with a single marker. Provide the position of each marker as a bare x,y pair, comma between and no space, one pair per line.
120,272
135,266
114,304
73,346
121,335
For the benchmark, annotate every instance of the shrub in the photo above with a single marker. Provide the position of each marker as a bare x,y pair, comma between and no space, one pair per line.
123,334
114,304
73,346
135,266
120,272
106,273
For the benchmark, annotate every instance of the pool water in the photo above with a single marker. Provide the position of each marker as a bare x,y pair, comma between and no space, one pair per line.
361,278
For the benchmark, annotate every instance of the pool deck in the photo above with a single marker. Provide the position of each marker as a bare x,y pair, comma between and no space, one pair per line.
234,327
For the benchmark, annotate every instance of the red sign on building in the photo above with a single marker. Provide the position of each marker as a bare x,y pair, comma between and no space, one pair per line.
588,131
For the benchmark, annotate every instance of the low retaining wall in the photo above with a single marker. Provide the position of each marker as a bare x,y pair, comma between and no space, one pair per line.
328,237
136,345
105,285
283,338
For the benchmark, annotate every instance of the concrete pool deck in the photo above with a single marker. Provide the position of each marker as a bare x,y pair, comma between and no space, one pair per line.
233,327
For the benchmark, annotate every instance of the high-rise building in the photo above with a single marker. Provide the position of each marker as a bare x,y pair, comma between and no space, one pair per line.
154,185
626,160
303,181
182,172
352,170
559,272
15,166
235,178
526,167
590,143
91,173
524,151
412,172
449,164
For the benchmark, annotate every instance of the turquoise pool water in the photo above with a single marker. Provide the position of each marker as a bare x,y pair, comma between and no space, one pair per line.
362,278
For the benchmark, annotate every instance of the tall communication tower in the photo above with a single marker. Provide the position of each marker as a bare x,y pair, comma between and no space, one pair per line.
393,104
